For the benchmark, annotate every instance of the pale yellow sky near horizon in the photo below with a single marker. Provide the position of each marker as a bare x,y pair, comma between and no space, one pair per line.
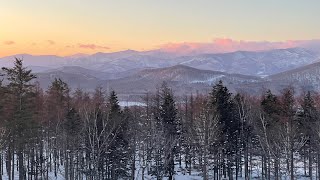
81,26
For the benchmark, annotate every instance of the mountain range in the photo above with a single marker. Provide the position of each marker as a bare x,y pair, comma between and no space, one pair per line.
135,73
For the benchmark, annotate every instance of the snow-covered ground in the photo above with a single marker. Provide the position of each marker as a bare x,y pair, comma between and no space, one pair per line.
131,103
196,174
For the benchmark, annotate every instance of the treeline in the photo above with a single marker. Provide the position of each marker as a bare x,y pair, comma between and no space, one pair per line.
62,134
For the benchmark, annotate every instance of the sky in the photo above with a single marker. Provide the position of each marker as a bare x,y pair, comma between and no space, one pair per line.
65,27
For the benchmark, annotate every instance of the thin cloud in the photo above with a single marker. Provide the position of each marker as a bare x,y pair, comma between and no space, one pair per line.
223,45
92,46
51,42
69,46
8,42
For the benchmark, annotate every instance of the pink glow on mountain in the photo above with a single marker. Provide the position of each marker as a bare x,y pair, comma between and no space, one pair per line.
224,45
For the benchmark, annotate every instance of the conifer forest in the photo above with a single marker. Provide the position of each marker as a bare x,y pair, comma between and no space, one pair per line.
64,133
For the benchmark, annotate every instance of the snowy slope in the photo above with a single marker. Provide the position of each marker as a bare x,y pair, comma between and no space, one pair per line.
242,62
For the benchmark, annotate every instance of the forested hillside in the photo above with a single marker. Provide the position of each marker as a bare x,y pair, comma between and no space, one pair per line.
59,133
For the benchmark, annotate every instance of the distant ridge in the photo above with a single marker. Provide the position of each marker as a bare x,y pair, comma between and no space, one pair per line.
262,63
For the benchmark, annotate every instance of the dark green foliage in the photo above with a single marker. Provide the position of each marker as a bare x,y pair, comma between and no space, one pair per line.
58,102
72,123
118,149
59,91
19,97
222,104
287,108
309,117
309,113
113,105
20,94
270,104
168,113
19,78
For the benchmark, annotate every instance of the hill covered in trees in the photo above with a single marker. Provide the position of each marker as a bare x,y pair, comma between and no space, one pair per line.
59,133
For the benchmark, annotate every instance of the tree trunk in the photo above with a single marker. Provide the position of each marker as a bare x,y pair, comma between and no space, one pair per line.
318,155
304,161
262,167
8,161
310,163
13,160
133,166
276,168
204,167
291,162
22,173
269,167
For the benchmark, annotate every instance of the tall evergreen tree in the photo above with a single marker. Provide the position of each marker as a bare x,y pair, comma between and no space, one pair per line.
57,107
271,129
21,124
72,124
119,142
168,113
222,103
58,100
289,125
310,118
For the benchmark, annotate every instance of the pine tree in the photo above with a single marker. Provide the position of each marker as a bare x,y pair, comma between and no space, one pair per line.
289,127
2,106
119,142
271,107
21,124
72,123
132,122
310,118
58,101
168,113
222,104
72,126
57,106
3,129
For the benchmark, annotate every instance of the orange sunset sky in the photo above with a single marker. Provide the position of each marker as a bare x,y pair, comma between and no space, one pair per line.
63,27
